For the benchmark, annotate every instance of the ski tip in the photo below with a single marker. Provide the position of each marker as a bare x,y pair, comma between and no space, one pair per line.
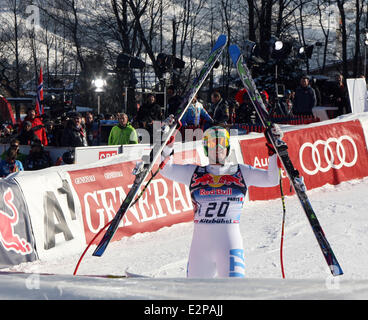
234,49
336,270
234,53
99,251
221,41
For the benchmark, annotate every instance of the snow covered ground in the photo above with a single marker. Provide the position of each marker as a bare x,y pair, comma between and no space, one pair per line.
162,255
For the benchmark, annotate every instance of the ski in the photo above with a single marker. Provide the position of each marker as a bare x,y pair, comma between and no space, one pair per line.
281,149
144,168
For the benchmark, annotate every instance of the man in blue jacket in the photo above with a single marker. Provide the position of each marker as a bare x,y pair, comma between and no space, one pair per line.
195,113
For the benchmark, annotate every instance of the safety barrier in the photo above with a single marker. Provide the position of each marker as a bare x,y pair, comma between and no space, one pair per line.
56,211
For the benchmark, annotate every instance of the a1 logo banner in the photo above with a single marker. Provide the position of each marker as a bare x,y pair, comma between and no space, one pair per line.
327,154
54,214
101,191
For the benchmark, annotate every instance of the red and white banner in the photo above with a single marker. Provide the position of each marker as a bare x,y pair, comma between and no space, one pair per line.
101,191
86,155
328,154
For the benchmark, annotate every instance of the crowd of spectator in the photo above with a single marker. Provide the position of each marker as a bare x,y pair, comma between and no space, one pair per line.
77,130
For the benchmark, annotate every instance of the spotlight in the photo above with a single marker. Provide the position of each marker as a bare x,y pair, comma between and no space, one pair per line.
99,84
166,63
279,50
305,52
125,61
252,52
278,45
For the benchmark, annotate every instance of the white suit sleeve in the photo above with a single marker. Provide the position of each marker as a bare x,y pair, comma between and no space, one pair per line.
181,173
260,177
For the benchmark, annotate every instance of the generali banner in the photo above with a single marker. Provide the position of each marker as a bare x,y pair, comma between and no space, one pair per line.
328,154
101,191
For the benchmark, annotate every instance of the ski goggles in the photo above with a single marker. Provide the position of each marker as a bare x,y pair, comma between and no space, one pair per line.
218,141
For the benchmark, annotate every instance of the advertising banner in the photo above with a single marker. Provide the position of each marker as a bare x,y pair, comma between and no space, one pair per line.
16,239
101,191
55,215
328,154
85,155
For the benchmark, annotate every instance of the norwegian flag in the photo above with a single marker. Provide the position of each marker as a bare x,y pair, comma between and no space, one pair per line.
39,106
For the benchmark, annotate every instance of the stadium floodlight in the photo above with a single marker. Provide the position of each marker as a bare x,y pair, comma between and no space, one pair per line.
278,45
305,52
167,63
280,50
99,84
126,61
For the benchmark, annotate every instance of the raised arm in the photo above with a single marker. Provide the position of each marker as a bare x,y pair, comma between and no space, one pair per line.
260,177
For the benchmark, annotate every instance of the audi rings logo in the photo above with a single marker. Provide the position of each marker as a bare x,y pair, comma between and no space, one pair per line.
332,144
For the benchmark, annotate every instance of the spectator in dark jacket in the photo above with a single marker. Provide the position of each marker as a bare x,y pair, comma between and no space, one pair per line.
51,133
148,112
341,96
27,134
74,134
173,102
219,109
38,158
245,112
305,98
93,130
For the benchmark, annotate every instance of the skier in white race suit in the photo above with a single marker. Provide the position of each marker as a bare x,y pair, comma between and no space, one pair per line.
218,191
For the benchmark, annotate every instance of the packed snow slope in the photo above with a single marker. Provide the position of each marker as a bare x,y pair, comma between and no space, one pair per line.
162,256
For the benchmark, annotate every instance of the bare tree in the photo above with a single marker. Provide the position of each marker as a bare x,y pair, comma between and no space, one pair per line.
323,7
11,36
358,18
342,27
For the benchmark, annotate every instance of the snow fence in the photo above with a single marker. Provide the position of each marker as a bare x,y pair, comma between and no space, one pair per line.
57,211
